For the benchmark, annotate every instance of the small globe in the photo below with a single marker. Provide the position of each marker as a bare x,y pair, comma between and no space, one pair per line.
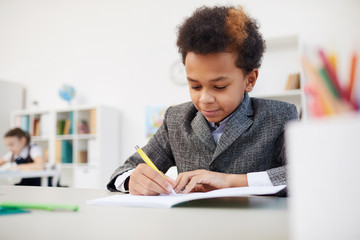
67,93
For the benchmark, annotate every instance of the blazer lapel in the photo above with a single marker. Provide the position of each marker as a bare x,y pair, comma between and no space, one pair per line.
202,131
238,123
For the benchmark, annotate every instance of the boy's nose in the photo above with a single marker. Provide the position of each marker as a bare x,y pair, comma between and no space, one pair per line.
206,97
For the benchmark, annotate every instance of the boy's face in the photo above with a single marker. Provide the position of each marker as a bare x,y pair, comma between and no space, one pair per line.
216,85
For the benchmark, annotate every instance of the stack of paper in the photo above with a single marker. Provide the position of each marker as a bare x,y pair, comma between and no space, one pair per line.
167,201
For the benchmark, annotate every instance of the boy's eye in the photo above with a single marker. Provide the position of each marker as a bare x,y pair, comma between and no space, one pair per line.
219,88
195,87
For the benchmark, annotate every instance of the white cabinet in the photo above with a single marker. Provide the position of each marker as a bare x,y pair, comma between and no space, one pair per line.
86,177
83,141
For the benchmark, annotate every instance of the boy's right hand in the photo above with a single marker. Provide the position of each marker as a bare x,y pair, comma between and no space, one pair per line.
146,181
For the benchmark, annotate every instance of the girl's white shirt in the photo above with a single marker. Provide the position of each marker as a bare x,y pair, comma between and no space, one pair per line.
35,151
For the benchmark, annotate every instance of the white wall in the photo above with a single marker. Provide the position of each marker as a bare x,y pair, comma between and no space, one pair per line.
8,90
119,53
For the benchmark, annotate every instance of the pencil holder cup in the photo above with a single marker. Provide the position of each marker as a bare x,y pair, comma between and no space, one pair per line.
324,178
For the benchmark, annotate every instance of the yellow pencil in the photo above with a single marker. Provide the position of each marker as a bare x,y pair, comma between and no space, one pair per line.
149,162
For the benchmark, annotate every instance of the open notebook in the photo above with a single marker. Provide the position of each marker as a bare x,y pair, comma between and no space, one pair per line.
167,201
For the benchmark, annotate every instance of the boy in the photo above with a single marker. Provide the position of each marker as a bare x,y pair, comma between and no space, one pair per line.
222,138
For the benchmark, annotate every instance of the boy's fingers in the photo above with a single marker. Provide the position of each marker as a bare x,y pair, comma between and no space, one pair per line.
158,179
152,184
170,180
143,185
189,174
192,184
183,179
151,179
138,189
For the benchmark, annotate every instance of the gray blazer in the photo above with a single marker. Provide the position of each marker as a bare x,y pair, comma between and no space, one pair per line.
252,141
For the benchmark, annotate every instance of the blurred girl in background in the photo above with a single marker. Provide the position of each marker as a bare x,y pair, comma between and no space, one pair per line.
26,155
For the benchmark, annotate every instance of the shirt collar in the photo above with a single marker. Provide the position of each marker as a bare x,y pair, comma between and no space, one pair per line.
222,123
245,104
23,154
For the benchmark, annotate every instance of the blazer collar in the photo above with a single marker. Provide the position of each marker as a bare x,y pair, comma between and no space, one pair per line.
237,125
201,129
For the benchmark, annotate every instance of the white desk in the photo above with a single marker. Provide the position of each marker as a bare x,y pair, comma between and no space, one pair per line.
98,222
44,174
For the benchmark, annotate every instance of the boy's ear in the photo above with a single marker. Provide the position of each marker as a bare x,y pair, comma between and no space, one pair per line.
251,78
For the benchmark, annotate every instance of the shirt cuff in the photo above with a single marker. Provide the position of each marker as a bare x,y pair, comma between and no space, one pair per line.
120,181
259,179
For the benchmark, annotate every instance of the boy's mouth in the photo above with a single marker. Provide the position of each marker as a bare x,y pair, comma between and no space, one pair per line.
209,113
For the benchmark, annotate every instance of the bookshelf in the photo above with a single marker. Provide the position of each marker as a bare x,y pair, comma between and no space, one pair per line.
281,61
82,141
37,124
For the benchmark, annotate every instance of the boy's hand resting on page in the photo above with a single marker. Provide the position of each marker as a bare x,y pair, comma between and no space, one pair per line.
204,180
146,181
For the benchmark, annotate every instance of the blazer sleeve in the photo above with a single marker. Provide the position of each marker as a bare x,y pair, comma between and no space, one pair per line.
278,174
158,149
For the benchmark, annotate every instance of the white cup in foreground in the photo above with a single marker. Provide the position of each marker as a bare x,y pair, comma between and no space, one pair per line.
324,178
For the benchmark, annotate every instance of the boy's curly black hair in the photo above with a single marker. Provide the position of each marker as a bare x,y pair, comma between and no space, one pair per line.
222,29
